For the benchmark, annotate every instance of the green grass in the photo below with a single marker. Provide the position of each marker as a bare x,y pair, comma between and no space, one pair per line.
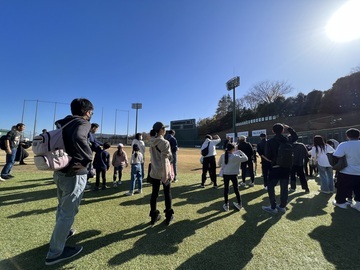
114,229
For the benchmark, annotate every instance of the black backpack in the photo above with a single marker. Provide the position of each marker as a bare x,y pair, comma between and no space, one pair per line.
2,142
205,151
285,155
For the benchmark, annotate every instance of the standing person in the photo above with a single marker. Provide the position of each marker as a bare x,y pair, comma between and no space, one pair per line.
119,161
95,146
160,156
230,163
348,180
248,166
265,164
278,173
209,162
12,141
174,148
139,141
136,173
101,165
71,180
301,157
318,152
226,142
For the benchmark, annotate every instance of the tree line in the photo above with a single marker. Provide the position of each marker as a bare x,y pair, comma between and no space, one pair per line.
267,98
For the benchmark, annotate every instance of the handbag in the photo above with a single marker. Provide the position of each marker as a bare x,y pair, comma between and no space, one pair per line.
337,163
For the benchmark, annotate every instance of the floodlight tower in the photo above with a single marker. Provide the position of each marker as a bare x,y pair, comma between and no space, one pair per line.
231,85
136,106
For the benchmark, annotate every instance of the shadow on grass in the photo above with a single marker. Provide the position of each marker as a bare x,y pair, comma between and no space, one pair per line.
24,197
341,239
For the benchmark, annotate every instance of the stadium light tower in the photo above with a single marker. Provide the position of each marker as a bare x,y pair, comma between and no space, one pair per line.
231,85
136,106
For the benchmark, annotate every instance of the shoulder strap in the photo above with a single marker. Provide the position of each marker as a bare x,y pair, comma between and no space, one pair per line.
68,123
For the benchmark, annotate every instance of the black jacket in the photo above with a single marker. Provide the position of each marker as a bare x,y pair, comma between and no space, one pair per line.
246,147
75,137
272,145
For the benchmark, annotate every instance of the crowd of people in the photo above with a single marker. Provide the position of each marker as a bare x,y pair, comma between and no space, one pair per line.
283,160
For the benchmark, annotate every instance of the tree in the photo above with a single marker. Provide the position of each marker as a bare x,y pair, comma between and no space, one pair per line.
224,106
267,91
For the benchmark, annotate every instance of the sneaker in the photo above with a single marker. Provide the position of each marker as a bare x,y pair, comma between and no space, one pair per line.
6,177
341,205
2,179
269,209
243,184
202,186
67,253
281,209
356,206
226,207
130,193
251,184
139,191
114,185
238,206
119,183
71,233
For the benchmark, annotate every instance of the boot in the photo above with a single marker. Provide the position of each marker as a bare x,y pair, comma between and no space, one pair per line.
155,216
169,214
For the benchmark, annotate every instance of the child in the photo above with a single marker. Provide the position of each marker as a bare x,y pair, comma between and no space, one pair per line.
119,161
230,162
136,173
101,165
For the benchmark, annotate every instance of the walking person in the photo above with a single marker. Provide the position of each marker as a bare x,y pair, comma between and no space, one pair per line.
136,173
119,161
248,166
209,162
160,158
230,163
101,165
70,181
265,163
318,152
12,142
278,171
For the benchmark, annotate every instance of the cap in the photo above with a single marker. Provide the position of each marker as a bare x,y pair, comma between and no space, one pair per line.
158,125
120,145
262,135
242,138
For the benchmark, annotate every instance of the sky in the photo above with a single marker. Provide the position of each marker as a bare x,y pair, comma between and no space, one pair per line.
172,56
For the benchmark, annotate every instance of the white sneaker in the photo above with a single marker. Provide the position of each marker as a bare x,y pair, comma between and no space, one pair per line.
356,206
243,184
341,205
2,179
119,183
129,193
237,206
226,207
139,191
251,184
114,184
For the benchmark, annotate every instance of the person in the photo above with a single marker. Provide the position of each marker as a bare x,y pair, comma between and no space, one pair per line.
12,141
318,152
101,165
254,159
348,180
119,161
276,172
227,140
95,147
21,152
265,164
230,163
174,148
70,181
248,166
44,131
160,155
300,158
136,173
139,141
209,162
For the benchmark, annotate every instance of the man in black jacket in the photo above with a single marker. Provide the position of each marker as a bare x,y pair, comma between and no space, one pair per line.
276,171
71,180
247,167
265,164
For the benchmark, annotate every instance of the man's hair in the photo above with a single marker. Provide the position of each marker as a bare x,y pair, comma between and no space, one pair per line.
79,106
278,128
353,133
208,136
137,136
94,125
106,145
172,132
18,125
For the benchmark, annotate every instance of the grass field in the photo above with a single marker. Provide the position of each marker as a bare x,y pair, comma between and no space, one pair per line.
115,232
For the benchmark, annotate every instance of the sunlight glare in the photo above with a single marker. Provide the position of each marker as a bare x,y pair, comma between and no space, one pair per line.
344,25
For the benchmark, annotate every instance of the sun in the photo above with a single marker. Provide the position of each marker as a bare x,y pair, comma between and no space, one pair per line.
344,25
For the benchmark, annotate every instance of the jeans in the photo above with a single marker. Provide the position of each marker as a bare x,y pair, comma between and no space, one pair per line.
209,164
136,176
155,194
326,178
275,175
174,162
234,180
10,160
70,190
